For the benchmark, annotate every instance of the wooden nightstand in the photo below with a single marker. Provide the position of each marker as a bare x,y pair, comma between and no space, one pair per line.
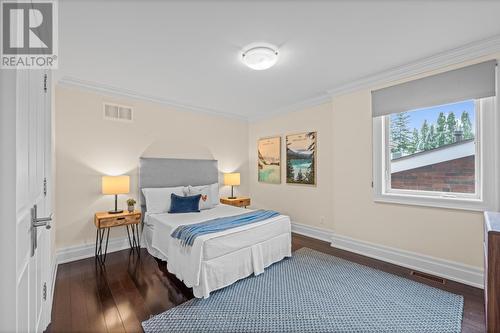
238,202
104,222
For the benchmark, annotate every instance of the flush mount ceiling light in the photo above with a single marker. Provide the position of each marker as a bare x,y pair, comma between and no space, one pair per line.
260,57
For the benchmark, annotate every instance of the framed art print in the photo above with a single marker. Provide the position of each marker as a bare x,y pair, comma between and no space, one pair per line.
301,158
269,160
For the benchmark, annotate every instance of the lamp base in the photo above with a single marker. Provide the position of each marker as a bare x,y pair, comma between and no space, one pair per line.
115,211
232,193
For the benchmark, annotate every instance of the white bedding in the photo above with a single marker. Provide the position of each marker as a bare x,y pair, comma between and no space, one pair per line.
255,246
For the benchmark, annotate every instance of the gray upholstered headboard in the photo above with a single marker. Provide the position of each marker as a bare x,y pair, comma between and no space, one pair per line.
170,172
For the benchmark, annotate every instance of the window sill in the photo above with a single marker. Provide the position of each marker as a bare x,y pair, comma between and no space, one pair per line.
437,202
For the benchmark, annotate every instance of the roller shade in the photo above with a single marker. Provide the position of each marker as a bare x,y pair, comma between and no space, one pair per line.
471,82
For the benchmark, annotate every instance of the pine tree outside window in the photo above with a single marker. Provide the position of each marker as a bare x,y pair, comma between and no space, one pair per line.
430,151
434,156
436,139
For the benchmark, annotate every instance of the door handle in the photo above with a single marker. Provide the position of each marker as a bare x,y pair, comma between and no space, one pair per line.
37,222
42,222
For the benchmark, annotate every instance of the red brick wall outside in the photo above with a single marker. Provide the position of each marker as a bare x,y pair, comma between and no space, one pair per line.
451,176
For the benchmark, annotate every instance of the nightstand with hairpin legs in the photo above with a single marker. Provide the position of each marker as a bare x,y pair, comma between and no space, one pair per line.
104,221
236,201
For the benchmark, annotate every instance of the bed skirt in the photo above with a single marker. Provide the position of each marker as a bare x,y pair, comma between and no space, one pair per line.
223,271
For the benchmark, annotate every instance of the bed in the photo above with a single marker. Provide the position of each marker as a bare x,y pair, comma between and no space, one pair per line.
215,260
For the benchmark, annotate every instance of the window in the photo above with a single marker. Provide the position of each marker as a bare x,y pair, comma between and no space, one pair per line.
434,150
436,140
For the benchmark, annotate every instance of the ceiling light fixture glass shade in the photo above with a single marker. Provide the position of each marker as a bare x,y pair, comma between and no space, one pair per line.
260,57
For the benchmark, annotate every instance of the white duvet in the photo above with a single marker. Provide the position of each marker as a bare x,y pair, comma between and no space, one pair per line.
185,262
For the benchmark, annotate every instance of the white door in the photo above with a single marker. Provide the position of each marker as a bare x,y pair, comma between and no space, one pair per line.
33,168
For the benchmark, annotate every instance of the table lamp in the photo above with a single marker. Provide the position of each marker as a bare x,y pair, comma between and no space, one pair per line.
232,179
115,185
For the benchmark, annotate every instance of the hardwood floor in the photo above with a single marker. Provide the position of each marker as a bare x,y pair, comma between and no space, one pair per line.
130,289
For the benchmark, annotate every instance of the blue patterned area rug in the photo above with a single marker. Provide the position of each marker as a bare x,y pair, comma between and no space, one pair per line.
316,292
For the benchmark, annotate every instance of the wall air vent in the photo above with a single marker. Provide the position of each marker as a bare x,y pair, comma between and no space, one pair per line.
117,112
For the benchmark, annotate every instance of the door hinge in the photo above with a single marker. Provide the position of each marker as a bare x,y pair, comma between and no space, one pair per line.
45,83
44,291
45,187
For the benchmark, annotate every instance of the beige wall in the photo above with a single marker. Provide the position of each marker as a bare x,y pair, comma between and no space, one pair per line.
448,234
342,201
87,147
310,205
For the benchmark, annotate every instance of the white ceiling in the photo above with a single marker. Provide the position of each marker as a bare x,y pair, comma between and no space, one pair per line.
188,52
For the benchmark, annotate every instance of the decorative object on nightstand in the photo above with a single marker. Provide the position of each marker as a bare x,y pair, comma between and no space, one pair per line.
104,221
130,204
237,202
232,179
115,185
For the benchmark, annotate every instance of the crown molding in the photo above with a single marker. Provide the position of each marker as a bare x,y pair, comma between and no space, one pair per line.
68,81
467,52
304,104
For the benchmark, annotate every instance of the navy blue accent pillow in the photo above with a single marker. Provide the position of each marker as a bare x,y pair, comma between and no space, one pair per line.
189,204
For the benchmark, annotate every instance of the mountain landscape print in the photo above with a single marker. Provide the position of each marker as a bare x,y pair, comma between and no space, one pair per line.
269,160
301,158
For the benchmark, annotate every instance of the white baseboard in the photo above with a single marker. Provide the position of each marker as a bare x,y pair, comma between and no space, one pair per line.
447,269
83,251
310,231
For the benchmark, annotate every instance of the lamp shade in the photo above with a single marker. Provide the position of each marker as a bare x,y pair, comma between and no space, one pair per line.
115,184
232,178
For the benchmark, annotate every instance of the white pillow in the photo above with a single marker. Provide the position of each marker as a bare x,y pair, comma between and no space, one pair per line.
206,201
211,190
214,189
158,199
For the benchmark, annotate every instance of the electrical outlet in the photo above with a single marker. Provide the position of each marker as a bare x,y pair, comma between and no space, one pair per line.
322,220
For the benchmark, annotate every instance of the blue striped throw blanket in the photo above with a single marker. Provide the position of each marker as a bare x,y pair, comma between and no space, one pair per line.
188,233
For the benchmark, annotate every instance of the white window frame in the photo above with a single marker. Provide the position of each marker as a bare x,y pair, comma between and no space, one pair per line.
486,166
